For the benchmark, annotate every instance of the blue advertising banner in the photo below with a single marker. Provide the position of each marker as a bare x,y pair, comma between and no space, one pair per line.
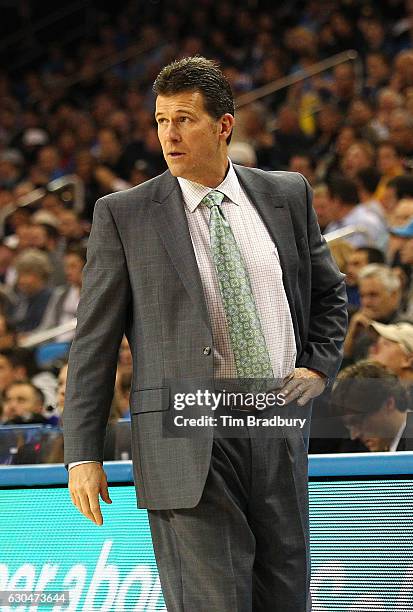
361,540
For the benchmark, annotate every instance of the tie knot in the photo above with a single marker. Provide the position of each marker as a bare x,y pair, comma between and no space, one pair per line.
213,198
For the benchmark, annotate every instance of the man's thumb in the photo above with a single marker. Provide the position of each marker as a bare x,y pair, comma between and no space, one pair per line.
104,493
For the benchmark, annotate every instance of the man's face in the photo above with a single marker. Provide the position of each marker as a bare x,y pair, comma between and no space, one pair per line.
21,401
30,283
402,213
355,263
390,354
374,429
192,141
321,204
376,301
73,269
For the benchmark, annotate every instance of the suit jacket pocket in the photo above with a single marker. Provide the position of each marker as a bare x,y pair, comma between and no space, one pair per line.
155,399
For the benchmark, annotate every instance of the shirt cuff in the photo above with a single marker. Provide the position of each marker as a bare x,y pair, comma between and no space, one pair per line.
79,462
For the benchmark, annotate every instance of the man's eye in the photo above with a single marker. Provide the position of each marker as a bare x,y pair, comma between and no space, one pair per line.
160,121
183,119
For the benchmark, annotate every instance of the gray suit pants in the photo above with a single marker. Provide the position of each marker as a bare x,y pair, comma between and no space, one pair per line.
245,546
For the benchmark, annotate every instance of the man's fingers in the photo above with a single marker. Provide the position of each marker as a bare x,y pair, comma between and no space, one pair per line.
104,492
91,508
293,389
305,397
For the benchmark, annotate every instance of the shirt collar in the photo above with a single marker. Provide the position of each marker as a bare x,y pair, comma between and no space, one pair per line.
395,443
193,193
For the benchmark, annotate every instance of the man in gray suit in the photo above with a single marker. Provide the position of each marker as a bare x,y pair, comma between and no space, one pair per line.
212,271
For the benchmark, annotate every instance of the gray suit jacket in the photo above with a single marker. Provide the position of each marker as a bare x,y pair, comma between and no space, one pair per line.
142,279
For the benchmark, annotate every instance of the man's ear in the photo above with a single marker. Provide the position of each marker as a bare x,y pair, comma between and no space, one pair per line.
227,125
408,362
390,404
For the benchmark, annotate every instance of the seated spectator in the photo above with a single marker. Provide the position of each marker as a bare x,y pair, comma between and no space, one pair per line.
62,306
389,164
373,405
367,180
304,164
359,155
393,348
396,189
71,230
33,293
321,205
402,213
346,212
380,300
358,259
23,404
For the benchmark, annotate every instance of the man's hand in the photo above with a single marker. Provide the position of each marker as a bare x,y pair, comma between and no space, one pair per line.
359,322
304,384
86,481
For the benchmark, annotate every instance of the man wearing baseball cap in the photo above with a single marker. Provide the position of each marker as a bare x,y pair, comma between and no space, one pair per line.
394,348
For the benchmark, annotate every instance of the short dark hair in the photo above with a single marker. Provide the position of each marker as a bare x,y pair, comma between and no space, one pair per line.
78,250
374,255
344,189
198,74
369,179
363,388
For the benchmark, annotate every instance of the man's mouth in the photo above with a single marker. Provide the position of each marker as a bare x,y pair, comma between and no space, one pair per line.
175,154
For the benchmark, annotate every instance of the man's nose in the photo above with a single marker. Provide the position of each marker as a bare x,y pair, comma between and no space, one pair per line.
172,133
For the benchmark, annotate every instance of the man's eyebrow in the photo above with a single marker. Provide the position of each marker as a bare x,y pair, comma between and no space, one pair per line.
178,110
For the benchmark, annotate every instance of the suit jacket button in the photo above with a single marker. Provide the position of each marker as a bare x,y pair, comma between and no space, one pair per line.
207,350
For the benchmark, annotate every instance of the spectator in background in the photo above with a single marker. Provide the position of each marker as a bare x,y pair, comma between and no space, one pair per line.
357,260
373,404
358,156
393,348
321,204
23,404
367,181
347,213
62,306
32,291
389,164
45,236
71,230
289,138
304,164
380,300
402,213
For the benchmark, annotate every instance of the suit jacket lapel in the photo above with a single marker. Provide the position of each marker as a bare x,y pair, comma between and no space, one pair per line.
169,218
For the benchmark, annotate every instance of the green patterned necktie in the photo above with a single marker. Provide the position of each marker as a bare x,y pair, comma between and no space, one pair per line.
251,355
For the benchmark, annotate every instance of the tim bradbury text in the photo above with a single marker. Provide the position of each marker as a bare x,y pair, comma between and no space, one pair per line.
213,400
229,421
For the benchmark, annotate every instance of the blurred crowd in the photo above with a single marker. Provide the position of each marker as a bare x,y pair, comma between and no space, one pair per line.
78,124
